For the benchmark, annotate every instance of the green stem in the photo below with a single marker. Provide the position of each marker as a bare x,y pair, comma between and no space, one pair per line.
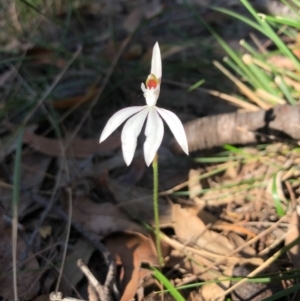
155,208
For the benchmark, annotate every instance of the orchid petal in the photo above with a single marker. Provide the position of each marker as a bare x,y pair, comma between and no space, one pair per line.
156,67
176,127
154,132
130,132
117,119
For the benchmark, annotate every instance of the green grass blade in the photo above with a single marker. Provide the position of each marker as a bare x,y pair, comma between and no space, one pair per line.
276,198
214,160
167,284
285,90
196,85
234,67
283,21
235,150
250,49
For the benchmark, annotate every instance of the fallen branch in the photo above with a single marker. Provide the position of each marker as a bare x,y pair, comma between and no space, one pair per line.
242,128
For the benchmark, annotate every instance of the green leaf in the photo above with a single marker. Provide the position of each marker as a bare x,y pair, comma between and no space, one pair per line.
167,284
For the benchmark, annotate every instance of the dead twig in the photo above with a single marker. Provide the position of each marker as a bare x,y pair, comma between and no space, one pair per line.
97,291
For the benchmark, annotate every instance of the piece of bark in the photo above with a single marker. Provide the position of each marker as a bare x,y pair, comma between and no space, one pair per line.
242,128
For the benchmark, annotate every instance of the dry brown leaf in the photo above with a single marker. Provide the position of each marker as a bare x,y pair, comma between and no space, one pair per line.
212,291
131,250
195,296
193,264
77,148
191,230
103,219
27,277
137,202
206,217
76,100
46,56
33,169
247,251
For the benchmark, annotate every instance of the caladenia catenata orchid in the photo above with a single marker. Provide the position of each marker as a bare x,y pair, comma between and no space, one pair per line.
154,130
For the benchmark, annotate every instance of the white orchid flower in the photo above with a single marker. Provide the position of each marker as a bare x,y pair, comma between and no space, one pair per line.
154,130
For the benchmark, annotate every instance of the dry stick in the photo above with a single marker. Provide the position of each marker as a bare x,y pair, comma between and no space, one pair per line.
102,290
258,44
92,280
243,88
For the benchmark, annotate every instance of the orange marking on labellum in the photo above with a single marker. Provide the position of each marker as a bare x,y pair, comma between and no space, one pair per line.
151,83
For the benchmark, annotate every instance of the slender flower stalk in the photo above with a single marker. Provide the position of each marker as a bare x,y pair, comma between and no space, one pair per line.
154,130
156,210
